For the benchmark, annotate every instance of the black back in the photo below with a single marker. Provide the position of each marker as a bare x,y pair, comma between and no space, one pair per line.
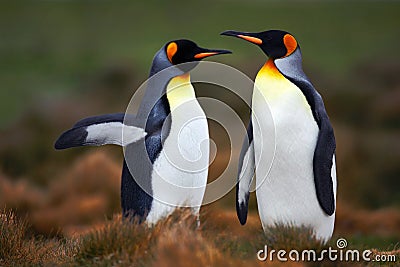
153,114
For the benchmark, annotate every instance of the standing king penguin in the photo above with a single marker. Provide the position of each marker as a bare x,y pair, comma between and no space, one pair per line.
169,121
299,187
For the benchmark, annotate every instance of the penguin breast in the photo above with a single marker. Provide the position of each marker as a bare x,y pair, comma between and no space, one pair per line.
179,175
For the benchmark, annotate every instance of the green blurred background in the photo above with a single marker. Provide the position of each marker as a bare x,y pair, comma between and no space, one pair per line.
64,60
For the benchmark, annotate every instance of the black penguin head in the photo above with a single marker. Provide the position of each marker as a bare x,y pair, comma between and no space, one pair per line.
275,43
183,51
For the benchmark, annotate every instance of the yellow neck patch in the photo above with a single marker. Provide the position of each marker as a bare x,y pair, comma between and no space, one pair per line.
275,87
180,90
269,69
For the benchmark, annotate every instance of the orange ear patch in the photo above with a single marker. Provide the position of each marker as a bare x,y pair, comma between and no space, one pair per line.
290,43
171,50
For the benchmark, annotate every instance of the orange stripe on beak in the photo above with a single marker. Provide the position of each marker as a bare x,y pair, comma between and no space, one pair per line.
206,54
253,40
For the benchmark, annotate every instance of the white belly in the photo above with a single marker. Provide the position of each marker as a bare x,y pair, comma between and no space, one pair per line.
180,172
286,190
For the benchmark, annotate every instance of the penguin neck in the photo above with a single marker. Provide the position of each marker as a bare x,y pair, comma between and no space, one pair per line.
154,102
269,78
277,90
180,90
269,69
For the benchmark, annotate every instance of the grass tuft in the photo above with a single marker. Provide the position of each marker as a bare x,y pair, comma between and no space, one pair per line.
282,236
117,242
181,243
17,248
125,243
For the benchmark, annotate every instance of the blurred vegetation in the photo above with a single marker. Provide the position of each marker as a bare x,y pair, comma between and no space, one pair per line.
65,60
58,46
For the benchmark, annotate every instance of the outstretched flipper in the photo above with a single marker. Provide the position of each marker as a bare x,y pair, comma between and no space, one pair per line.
100,130
245,176
323,162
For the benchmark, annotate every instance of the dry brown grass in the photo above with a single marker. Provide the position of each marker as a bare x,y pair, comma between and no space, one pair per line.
175,241
288,237
18,248
185,245
116,242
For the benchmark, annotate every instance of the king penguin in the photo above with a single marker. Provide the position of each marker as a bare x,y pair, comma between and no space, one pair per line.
299,187
169,121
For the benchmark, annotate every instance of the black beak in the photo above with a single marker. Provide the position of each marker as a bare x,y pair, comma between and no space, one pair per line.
233,33
248,36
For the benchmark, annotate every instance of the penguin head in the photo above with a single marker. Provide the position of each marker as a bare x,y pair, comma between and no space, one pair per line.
275,43
183,51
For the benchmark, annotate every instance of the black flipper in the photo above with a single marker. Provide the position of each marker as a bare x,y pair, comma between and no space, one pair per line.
245,175
100,130
114,117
